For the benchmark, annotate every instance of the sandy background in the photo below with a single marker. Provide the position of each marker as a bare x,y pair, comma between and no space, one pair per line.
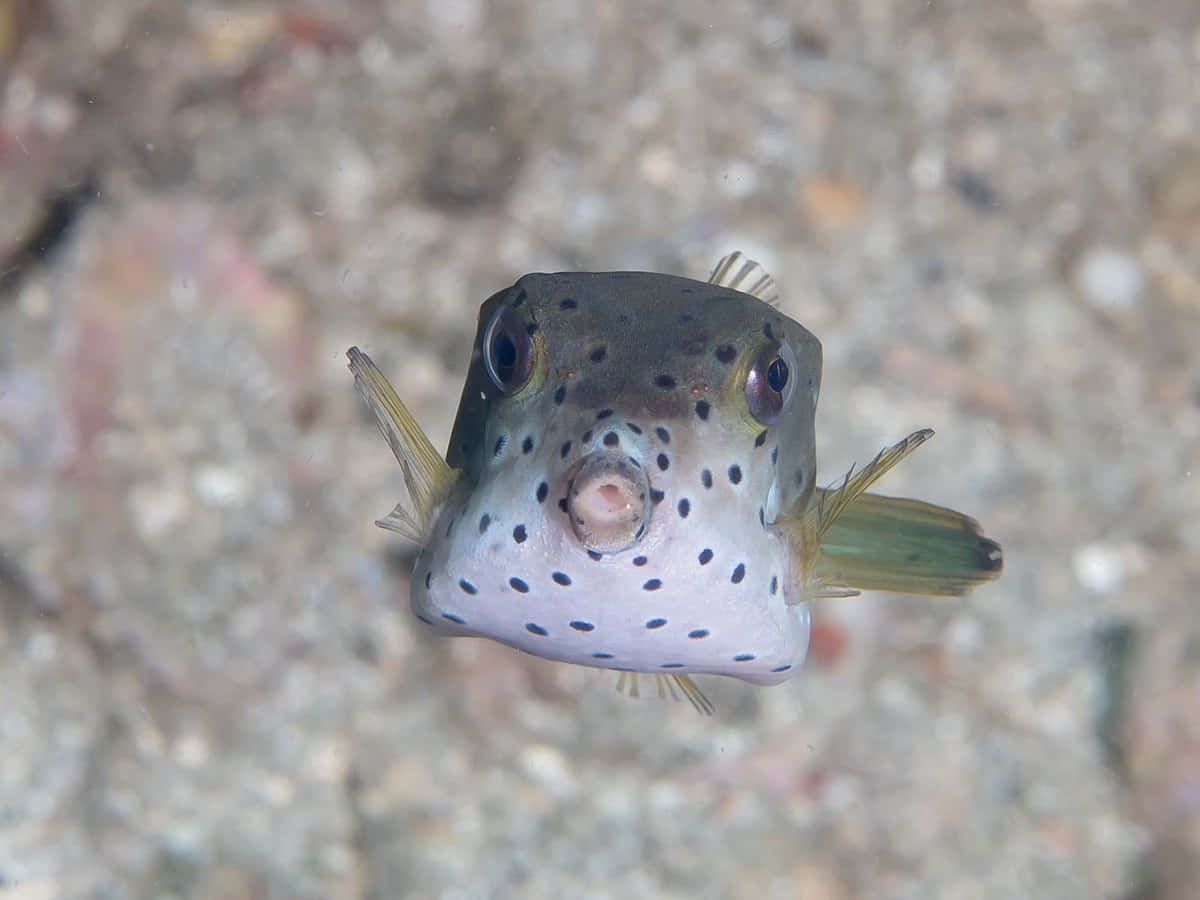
210,683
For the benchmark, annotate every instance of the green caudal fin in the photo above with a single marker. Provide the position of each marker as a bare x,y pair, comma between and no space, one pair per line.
908,546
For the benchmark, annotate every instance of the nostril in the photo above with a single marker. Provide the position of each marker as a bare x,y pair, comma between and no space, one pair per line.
607,502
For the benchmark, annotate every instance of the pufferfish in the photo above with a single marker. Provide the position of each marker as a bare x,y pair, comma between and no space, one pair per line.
631,484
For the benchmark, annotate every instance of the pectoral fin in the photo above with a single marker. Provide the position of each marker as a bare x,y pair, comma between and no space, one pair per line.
427,476
849,540
908,546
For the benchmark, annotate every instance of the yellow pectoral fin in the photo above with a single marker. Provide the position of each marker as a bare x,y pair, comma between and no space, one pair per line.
830,504
908,546
848,540
427,476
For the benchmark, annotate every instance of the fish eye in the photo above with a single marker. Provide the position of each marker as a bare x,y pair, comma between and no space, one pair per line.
507,350
768,384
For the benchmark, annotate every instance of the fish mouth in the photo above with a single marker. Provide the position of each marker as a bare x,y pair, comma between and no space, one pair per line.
608,502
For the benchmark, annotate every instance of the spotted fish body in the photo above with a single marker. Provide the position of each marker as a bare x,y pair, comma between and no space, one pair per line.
630,482
650,369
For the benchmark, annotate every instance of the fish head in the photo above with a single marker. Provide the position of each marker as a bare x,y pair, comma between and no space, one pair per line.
627,442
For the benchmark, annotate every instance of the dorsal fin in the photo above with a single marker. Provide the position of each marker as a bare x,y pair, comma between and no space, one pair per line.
735,271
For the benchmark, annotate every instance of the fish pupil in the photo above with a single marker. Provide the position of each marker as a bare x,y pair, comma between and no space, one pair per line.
508,350
777,375
504,352
765,385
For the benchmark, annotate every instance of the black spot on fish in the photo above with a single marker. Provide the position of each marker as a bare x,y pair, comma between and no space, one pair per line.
457,620
602,656
603,414
543,490
527,444
774,584
743,657
774,455
562,504
663,462
726,353
428,579
735,474
684,507
641,530
564,449
656,496
467,587
671,666
518,585
652,585
484,521
519,534
633,427
698,633
639,560
560,394
663,434
706,478
762,517
706,556
702,409
500,442
594,555
666,382
580,625
534,628
782,668
656,623
611,439
761,439
598,354
567,303
800,477
587,436
561,578
739,572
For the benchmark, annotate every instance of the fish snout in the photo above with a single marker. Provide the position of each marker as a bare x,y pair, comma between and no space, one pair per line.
609,502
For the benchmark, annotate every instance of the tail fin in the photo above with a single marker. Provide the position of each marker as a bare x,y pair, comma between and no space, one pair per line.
895,544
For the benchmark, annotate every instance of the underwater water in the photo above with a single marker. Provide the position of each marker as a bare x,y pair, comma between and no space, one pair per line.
211,681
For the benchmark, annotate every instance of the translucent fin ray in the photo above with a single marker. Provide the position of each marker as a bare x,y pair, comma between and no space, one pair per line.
735,271
806,527
831,503
426,475
627,683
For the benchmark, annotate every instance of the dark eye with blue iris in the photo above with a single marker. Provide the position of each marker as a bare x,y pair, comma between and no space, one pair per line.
767,385
507,350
